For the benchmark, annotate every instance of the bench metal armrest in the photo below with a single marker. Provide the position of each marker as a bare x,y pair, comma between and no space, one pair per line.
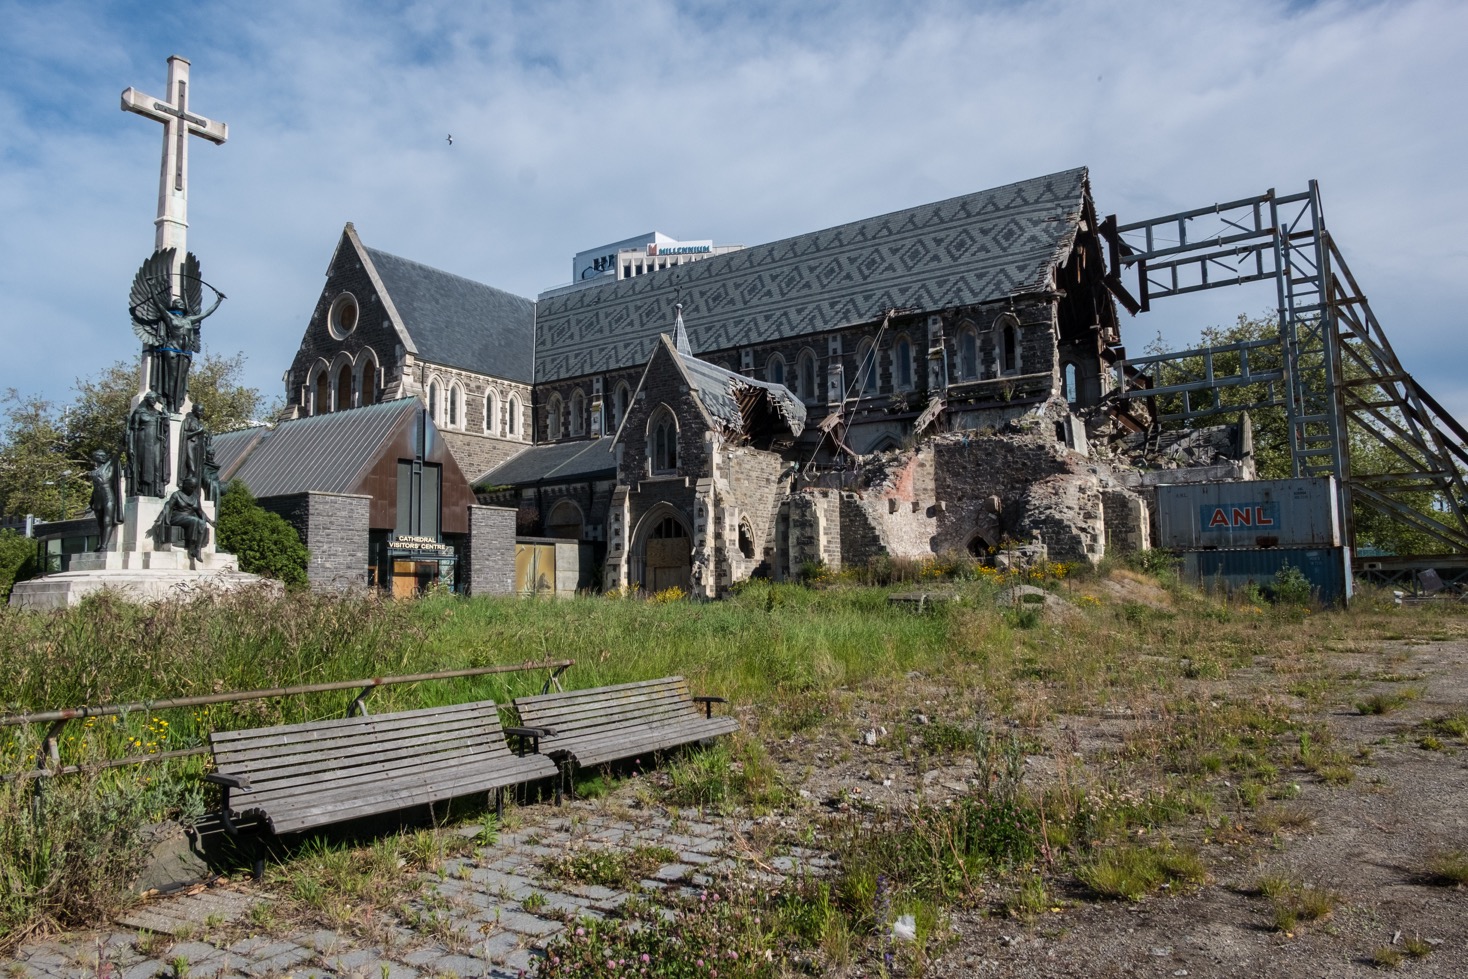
531,734
227,782
708,704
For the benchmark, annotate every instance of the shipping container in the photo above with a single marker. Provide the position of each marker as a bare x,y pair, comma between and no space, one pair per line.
1328,569
1259,513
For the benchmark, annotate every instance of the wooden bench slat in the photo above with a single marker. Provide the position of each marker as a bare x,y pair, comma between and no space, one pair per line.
320,772
612,714
349,723
367,764
595,692
343,752
402,797
603,724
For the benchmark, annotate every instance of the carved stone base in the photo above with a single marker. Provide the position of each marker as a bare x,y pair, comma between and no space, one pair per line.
137,568
134,584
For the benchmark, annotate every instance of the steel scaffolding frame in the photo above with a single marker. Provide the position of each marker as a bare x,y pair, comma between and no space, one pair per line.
1337,369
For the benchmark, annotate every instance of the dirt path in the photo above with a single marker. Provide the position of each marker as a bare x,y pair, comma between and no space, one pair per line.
1367,841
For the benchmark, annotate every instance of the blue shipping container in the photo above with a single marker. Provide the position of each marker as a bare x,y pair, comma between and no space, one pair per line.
1328,569
1258,513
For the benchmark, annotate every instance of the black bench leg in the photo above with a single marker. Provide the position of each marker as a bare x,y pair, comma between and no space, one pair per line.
499,805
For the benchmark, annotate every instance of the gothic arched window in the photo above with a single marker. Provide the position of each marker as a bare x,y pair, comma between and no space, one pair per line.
662,441
1009,347
512,417
553,417
455,403
490,401
434,399
578,413
867,371
806,375
968,353
902,364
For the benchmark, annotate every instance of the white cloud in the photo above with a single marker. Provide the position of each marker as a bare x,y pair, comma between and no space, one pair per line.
579,123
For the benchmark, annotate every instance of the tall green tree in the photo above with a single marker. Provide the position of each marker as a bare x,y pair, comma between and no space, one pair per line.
45,446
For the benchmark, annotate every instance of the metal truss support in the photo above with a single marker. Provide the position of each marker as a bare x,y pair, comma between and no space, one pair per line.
1341,380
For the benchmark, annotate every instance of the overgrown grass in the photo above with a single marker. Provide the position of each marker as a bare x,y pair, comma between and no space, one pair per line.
797,656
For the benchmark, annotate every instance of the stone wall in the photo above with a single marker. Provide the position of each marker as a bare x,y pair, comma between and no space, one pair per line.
1018,484
334,528
487,564
748,491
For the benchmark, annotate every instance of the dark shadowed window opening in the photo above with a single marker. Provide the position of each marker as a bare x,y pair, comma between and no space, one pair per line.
344,388
746,540
664,442
968,355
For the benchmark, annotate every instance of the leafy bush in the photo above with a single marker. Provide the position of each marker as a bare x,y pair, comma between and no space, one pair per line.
1291,587
17,560
264,542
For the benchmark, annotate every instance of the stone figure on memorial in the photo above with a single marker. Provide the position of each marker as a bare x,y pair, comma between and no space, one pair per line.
106,493
183,520
148,463
193,443
210,486
168,323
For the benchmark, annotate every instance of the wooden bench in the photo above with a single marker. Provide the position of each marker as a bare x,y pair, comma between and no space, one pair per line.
300,776
604,724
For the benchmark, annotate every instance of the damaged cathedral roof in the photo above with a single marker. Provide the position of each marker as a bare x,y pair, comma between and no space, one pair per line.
963,251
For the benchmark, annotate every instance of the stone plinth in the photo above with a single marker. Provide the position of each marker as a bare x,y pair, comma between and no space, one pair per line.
134,567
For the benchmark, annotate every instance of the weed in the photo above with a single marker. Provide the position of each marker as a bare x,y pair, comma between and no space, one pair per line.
533,901
1385,703
1417,947
1386,957
1029,899
1448,726
1130,872
607,867
180,966
1449,867
944,738
1293,903
728,774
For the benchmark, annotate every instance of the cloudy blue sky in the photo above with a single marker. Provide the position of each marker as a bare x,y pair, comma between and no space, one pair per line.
577,124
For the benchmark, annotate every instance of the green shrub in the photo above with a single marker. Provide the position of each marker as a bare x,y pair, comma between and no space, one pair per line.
1291,587
263,541
17,560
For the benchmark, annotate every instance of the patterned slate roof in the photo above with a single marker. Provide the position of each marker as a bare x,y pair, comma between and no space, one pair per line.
962,251
555,462
325,453
458,322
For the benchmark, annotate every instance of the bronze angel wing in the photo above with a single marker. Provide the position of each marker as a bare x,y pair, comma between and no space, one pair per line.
193,285
193,294
150,288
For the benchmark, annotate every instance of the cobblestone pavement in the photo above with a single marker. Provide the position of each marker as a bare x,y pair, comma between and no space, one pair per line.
491,911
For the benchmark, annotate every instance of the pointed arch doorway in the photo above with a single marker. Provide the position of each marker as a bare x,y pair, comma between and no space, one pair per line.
664,551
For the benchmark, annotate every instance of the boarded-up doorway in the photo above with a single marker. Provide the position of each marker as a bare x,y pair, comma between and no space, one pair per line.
667,556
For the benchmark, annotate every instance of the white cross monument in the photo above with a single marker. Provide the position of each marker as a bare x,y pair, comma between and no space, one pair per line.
178,125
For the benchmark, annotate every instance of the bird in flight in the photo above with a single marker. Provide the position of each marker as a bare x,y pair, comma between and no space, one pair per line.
450,138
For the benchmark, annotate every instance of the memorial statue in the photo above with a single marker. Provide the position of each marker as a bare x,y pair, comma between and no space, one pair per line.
106,493
210,486
183,517
168,324
193,443
147,448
